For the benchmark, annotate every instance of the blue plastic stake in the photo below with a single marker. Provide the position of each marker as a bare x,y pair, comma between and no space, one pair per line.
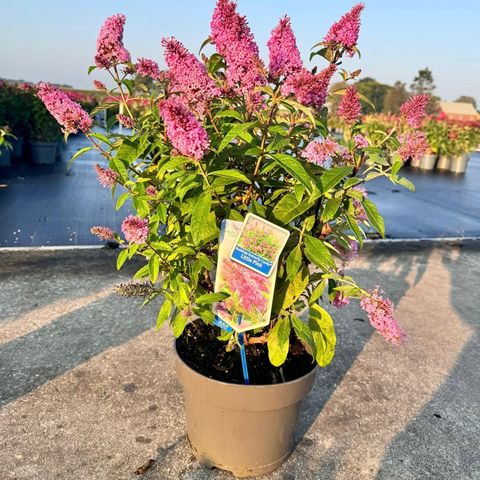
243,355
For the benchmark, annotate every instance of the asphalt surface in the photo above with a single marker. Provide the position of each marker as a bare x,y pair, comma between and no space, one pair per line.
49,205
88,390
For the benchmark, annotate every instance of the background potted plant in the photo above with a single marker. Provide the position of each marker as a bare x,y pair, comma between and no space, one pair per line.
463,139
211,140
44,135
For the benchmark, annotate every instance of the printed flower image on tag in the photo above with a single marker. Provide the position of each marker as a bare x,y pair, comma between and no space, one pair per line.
259,244
251,294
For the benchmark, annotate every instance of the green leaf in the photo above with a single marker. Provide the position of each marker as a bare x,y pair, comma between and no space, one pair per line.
318,253
128,151
121,200
178,323
357,231
200,216
323,333
229,114
122,257
120,167
302,108
350,182
153,267
374,217
317,292
164,313
294,261
330,209
142,272
233,174
91,68
289,208
303,332
294,168
233,133
333,177
77,154
210,298
295,288
278,342
406,183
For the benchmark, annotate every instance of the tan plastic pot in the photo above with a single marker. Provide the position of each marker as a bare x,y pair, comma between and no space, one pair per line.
459,164
43,153
245,429
427,162
444,162
415,162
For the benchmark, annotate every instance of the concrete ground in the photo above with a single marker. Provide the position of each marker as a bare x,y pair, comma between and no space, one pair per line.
49,205
88,390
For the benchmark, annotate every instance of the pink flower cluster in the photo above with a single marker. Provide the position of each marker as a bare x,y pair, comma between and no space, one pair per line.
103,233
413,144
106,176
189,77
250,286
350,109
234,41
360,141
110,49
347,254
413,110
340,300
380,314
359,211
135,229
183,129
99,85
125,120
67,113
307,88
345,32
284,55
147,68
319,151
151,191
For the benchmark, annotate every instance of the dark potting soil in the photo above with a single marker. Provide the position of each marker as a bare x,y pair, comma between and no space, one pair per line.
200,350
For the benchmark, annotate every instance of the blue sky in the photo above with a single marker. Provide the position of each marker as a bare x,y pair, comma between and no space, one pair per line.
55,40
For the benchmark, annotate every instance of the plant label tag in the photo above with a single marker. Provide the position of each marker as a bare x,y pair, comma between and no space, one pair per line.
249,305
259,245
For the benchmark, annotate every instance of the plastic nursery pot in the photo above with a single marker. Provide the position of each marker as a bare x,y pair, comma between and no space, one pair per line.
17,147
43,153
415,162
5,157
459,164
244,429
444,162
427,162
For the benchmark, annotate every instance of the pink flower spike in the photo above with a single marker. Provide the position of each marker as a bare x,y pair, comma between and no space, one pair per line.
360,141
309,89
147,68
350,109
125,120
66,112
319,151
344,33
340,300
110,49
412,145
188,77
103,233
151,191
235,42
284,54
135,229
106,176
99,85
380,314
413,110
183,130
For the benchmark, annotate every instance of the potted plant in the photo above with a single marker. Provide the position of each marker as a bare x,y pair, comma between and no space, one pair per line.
463,139
436,132
45,134
5,147
214,141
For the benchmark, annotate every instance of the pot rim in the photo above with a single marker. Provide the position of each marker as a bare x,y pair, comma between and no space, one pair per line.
243,386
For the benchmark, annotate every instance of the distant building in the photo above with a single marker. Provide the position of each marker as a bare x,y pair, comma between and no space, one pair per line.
458,111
